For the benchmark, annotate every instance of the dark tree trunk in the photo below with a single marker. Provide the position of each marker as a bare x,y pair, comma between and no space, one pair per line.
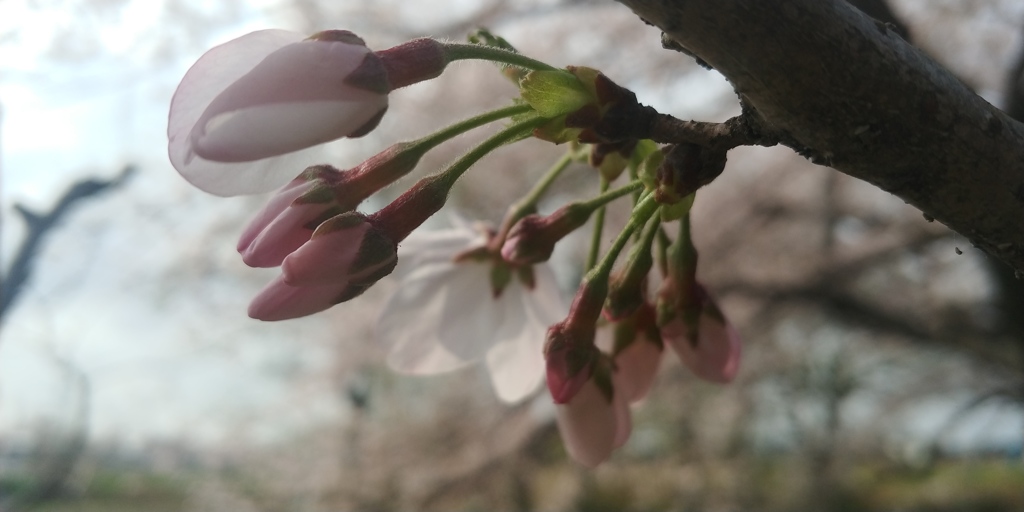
848,92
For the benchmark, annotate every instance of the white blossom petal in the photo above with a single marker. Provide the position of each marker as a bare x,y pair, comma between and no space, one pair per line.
408,324
444,315
545,301
424,247
514,369
473,320
516,364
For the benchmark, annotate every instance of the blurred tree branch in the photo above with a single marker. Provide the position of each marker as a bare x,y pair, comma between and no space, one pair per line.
39,225
847,91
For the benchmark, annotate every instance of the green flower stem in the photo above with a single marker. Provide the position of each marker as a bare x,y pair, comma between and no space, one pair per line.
682,255
646,242
611,195
462,51
450,132
401,158
634,174
663,243
528,204
627,288
428,195
641,213
512,133
595,235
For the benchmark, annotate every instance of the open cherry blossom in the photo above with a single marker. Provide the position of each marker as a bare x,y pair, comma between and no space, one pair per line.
445,314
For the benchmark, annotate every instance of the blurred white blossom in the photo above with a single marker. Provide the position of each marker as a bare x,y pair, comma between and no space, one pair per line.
444,314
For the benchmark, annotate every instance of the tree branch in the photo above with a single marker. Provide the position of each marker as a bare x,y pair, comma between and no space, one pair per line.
846,91
38,225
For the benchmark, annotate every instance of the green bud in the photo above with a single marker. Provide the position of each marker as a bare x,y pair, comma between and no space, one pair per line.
647,171
555,132
678,210
554,93
643,149
612,158
588,77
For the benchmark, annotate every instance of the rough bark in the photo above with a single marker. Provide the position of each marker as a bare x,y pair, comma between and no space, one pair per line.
846,91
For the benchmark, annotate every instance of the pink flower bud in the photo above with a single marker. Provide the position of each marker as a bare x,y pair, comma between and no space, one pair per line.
636,367
295,98
320,192
569,348
569,363
282,301
627,288
266,94
289,218
637,357
533,238
346,248
594,423
711,348
344,257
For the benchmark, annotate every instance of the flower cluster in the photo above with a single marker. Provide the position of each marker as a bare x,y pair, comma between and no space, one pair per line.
250,115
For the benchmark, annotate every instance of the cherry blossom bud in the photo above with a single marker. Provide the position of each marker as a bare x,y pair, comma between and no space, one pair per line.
320,192
569,347
637,354
266,94
627,290
611,158
705,342
686,168
345,255
289,218
345,248
570,363
595,421
691,323
298,96
533,238
282,301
